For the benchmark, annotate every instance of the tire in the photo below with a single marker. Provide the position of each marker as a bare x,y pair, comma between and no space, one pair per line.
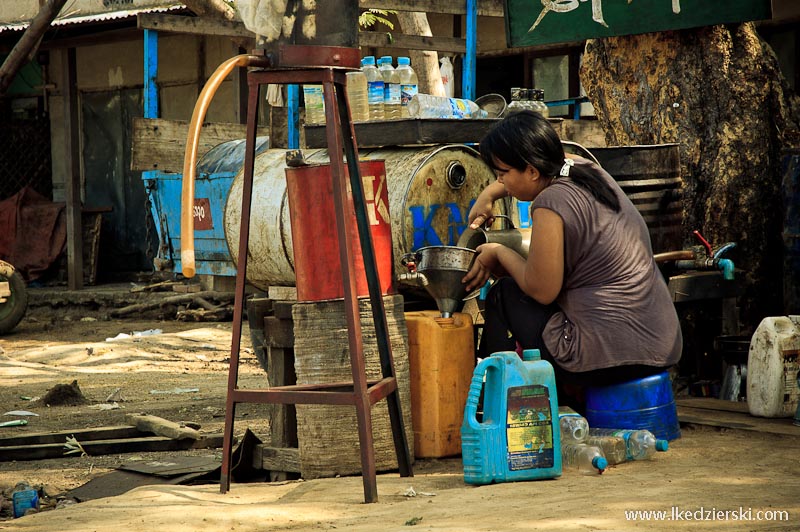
13,308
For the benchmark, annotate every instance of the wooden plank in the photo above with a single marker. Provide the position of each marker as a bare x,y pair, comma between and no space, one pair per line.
710,403
192,25
94,448
276,459
278,333
409,132
162,427
159,144
282,293
411,42
737,420
100,433
282,418
486,8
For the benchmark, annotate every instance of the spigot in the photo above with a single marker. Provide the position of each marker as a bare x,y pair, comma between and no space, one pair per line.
706,258
414,277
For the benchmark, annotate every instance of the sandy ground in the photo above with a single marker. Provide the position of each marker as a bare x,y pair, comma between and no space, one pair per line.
753,477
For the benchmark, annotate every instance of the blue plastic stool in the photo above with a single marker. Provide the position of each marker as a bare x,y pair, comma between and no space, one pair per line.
645,403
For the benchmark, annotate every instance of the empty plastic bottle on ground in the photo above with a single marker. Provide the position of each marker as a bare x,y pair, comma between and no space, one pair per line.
574,427
391,88
408,84
640,444
613,447
586,459
357,96
374,88
315,105
428,106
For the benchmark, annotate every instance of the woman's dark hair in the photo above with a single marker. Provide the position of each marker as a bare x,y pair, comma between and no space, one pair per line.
527,138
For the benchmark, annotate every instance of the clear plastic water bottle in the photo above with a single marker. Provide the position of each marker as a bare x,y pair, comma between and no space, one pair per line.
640,444
428,106
516,104
374,88
536,96
409,85
586,459
574,427
315,104
357,96
613,447
391,88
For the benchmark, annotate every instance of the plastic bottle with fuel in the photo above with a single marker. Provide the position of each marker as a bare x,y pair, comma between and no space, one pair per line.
391,88
374,88
409,84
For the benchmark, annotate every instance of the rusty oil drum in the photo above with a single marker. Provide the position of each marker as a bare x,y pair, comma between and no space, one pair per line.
315,241
430,190
650,175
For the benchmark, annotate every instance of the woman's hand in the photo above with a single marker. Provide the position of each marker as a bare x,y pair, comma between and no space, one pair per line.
481,212
485,265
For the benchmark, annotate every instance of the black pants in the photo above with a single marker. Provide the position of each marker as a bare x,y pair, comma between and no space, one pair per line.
512,317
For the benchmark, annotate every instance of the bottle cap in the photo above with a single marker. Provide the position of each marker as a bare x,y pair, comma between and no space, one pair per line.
529,355
403,61
600,463
369,60
662,445
387,59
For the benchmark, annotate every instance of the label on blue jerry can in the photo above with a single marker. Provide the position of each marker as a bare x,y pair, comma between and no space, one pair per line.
529,428
23,500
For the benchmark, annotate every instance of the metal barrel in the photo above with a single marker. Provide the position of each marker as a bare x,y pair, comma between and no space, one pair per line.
650,175
431,190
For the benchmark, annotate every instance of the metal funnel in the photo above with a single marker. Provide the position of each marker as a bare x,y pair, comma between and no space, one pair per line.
440,269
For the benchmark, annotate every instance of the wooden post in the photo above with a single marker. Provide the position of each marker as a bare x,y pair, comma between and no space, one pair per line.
72,184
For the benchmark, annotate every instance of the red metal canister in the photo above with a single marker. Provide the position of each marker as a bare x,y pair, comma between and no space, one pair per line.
315,242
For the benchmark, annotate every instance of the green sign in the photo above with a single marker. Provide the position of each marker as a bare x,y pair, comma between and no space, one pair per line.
535,22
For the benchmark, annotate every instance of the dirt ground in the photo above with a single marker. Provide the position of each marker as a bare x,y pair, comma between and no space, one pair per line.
710,478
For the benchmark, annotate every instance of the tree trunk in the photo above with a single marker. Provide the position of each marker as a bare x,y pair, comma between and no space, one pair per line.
28,44
425,63
719,93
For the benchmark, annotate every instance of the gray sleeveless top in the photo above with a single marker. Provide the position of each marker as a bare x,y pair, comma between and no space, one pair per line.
615,306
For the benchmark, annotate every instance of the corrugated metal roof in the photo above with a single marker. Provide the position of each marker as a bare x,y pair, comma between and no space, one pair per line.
99,17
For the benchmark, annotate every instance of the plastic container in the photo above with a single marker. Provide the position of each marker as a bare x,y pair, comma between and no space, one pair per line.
536,97
409,84
587,459
315,104
639,444
357,96
441,357
574,427
428,106
516,104
773,364
375,88
24,498
613,447
391,88
518,437
645,403
446,70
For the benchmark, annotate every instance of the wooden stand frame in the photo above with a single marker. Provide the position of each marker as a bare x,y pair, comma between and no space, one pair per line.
359,393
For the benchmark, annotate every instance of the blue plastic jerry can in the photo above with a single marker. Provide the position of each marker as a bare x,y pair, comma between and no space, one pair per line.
518,437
